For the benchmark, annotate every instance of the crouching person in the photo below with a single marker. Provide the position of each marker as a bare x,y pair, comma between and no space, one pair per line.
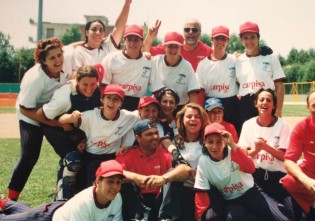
148,167
226,168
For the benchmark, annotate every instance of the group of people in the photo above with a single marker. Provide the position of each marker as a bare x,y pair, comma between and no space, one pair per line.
209,144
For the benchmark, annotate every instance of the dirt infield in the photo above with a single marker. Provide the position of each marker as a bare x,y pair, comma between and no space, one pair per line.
10,125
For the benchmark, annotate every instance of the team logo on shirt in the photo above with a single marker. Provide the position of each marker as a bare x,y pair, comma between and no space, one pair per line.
232,72
119,131
181,79
101,144
264,157
235,186
220,87
253,84
146,72
266,66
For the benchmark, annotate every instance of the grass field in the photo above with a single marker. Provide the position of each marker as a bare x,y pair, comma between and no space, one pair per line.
42,181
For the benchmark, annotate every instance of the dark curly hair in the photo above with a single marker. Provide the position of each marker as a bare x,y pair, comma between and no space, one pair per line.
44,46
274,97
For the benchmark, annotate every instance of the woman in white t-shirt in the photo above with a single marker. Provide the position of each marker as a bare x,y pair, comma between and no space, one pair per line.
266,138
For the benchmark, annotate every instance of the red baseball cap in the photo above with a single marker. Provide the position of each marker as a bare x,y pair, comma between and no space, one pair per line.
100,70
173,38
249,27
134,30
213,128
145,101
114,89
109,168
220,31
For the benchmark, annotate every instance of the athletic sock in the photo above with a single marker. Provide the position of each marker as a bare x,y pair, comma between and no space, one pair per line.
13,195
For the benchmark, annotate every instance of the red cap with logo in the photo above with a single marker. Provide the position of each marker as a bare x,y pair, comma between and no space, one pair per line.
114,89
220,31
134,30
109,168
249,27
145,101
173,38
213,128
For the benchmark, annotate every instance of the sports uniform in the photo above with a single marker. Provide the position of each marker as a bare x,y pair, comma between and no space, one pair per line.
104,137
301,142
254,72
89,56
37,88
269,169
135,76
83,206
180,78
218,80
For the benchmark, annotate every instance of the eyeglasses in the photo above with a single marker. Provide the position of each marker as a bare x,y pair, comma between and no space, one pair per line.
194,30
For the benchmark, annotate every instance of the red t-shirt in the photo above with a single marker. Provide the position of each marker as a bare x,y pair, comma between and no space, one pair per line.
302,140
156,164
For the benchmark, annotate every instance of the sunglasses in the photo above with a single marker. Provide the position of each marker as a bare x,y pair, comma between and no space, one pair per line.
194,30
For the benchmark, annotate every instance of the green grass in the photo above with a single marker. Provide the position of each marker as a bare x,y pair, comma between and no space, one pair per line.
42,181
294,110
4,110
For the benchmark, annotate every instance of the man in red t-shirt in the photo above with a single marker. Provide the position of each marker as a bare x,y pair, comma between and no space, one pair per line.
300,180
193,49
148,166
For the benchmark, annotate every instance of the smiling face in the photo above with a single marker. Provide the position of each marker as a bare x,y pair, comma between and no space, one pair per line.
111,104
149,140
192,122
95,35
192,31
133,45
150,112
54,60
172,50
250,41
107,188
87,86
216,115
215,145
168,105
220,42
264,103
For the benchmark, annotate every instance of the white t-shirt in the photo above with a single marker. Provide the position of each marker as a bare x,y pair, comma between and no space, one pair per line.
224,175
181,78
86,56
254,73
105,136
37,88
135,76
82,207
277,136
218,78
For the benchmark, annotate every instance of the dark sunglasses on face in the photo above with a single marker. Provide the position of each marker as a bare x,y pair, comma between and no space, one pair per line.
194,30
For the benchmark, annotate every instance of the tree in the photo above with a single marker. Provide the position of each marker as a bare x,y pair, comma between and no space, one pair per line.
309,74
72,35
6,65
206,39
235,45
293,56
25,60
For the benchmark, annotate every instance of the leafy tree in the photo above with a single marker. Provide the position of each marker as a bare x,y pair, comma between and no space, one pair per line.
235,45
25,60
206,39
293,56
6,64
309,74
156,41
72,35
282,60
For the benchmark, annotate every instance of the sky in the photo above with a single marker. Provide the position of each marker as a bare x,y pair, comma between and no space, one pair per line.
284,24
